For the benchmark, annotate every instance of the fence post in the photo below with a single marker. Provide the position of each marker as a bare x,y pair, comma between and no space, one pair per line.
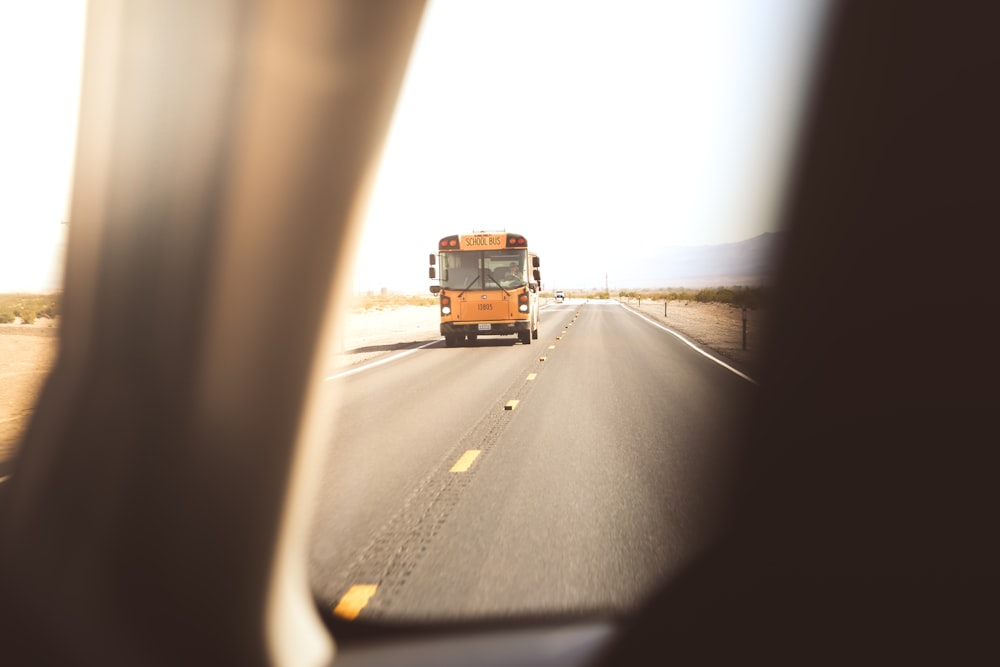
744,327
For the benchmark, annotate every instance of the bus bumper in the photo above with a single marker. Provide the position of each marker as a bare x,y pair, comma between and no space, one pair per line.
472,329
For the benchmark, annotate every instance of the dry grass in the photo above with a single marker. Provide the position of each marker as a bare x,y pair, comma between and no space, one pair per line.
26,308
363,303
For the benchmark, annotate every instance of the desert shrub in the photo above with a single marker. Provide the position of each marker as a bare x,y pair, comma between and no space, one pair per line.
736,296
714,295
50,310
668,294
388,301
742,297
28,307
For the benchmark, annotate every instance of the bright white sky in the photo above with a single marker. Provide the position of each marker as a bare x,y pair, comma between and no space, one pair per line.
41,44
586,126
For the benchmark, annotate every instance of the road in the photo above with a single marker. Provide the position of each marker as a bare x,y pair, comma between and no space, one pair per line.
571,475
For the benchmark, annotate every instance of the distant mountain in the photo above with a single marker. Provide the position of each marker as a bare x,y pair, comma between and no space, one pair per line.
749,262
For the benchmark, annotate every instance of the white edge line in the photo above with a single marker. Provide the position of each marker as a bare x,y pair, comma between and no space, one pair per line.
692,345
361,369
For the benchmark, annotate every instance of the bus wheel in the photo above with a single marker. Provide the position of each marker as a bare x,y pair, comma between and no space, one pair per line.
534,334
525,337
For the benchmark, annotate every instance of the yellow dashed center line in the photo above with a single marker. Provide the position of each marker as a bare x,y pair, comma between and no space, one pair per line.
552,347
532,376
511,404
465,461
354,601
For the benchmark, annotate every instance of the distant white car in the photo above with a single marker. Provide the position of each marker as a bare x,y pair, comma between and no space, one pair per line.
560,295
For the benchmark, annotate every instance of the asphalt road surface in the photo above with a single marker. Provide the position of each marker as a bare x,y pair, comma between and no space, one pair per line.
567,476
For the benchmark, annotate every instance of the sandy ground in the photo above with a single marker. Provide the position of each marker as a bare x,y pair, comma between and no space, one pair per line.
372,333
27,352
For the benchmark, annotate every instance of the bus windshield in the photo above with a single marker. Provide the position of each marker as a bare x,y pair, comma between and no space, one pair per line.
483,269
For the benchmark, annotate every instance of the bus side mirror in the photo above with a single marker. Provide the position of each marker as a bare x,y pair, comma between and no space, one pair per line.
538,275
430,273
535,262
433,259
435,288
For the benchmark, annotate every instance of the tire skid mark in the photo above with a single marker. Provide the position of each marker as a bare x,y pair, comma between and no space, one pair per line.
400,543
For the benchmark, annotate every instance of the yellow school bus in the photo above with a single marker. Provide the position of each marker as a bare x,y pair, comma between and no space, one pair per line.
488,285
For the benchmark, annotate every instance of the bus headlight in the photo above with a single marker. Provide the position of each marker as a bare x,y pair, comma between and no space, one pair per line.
523,307
446,310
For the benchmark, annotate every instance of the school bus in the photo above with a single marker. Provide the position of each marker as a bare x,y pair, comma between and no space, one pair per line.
488,285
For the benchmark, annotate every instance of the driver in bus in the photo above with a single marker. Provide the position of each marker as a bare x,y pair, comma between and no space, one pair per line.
512,274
